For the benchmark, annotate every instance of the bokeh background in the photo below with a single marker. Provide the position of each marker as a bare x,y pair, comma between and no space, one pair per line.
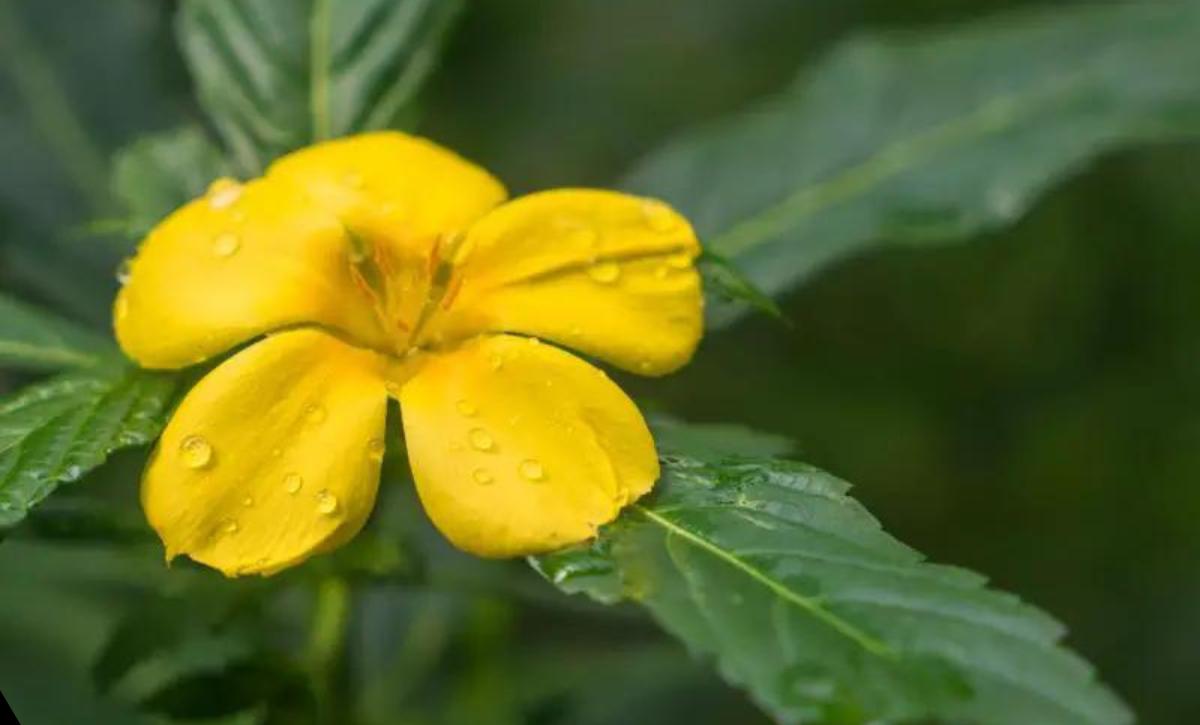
1027,405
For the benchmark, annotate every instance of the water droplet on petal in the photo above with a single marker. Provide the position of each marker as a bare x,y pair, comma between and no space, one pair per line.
195,451
495,361
605,272
482,476
327,503
659,216
375,449
231,527
314,413
248,502
480,439
661,271
292,483
531,470
224,192
464,407
226,245
645,366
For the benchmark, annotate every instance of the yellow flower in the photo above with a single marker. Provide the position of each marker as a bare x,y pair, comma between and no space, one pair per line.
384,265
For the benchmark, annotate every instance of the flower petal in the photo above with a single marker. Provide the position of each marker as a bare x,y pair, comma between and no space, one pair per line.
242,261
519,447
605,273
278,251
404,188
272,457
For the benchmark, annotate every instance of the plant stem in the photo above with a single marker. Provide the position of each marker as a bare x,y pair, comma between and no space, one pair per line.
326,643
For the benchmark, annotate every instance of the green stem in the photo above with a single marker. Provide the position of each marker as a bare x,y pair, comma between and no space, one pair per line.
326,643
50,110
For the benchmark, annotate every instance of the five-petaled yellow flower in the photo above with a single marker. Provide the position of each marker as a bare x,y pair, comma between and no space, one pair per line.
386,266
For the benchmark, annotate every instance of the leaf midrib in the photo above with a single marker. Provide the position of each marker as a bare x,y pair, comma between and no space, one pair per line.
319,68
991,117
810,605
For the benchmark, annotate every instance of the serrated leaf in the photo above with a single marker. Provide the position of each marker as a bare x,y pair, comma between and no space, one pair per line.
54,432
160,173
34,339
800,596
922,137
276,75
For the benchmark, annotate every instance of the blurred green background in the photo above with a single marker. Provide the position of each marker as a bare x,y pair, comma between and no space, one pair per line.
1026,406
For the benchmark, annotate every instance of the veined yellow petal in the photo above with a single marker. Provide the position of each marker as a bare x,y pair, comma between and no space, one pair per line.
272,457
244,260
519,447
403,189
608,274
339,234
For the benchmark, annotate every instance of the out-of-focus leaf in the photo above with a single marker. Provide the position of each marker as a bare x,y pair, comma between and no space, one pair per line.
33,339
771,568
923,137
714,441
55,432
275,75
160,173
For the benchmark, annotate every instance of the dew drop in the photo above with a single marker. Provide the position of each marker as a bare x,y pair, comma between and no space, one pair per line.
248,502
292,483
196,452
231,527
226,245
464,407
531,470
605,272
314,413
495,362
124,271
481,440
482,476
223,193
327,503
375,449
659,216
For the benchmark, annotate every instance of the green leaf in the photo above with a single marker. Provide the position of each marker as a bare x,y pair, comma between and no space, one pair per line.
714,441
55,432
802,599
923,137
33,339
275,75
160,173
